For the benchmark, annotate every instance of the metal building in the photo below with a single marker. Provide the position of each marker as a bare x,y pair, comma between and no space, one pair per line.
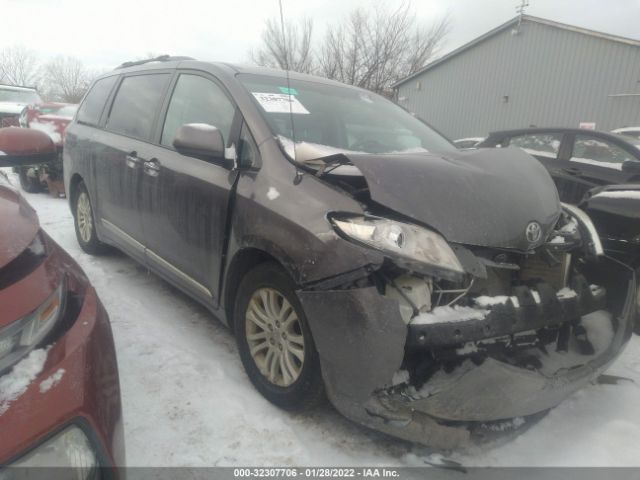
529,71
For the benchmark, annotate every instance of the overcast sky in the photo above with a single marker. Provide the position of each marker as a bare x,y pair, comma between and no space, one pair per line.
109,32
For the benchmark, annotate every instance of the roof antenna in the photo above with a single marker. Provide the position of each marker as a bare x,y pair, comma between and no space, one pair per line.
286,65
520,10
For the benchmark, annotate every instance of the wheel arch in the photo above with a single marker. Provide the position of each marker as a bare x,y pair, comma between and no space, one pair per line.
242,263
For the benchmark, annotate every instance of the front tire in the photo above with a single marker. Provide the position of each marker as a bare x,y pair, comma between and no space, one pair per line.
84,222
29,183
274,340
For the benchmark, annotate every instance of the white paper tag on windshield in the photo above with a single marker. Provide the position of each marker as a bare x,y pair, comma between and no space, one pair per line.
279,103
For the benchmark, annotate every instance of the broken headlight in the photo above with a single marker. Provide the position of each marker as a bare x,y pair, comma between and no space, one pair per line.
411,246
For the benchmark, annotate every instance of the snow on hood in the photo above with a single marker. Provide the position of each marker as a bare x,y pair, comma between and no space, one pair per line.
12,107
15,211
483,197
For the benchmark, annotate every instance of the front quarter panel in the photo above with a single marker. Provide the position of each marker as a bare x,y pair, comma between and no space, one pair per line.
285,215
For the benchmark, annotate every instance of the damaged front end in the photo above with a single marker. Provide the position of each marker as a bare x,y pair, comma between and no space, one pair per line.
446,342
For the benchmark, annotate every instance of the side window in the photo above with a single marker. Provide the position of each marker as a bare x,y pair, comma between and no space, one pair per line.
91,108
196,99
596,151
136,104
541,144
247,149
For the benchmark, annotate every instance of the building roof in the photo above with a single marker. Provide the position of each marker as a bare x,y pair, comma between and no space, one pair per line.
510,24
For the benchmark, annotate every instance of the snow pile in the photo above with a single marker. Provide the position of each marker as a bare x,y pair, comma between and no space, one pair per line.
628,194
566,292
52,380
447,314
272,194
401,376
570,227
557,239
487,301
15,383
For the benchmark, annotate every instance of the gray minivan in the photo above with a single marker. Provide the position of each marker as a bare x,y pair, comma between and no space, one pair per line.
356,253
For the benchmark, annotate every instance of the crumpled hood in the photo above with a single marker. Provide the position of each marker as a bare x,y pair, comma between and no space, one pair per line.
483,197
20,224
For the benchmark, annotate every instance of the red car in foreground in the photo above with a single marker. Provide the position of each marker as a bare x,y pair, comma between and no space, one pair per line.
59,388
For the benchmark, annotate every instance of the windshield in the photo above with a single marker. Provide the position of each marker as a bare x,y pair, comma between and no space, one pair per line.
19,96
341,118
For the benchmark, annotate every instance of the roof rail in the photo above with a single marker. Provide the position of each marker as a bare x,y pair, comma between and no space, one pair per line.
19,86
161,58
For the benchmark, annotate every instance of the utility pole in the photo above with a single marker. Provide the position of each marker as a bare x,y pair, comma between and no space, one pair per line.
520,9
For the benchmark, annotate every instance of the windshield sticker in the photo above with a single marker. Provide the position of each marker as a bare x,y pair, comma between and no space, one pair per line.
279,103
290,91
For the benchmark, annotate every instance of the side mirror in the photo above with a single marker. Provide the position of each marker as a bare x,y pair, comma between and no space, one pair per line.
631,166
199,140
23,147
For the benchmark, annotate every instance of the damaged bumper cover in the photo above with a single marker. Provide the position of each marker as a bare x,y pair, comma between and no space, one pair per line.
362,342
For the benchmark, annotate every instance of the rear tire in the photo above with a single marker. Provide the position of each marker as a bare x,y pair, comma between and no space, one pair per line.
84,222
28,183
274,340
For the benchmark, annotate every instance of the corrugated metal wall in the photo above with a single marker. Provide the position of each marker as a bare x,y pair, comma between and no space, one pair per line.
552,77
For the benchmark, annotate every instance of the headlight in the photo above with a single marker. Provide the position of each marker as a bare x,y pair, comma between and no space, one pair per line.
21,336
417,248
68,449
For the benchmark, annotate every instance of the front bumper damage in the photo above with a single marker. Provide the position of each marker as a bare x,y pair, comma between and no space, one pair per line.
363,343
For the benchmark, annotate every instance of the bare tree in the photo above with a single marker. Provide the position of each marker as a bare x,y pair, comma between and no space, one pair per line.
67,79
371,48
291,51
374,48
18,66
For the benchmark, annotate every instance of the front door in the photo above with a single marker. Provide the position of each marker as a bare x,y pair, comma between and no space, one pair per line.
185,200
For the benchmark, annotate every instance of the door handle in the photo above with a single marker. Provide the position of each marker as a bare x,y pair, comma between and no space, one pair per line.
572,171
132,160
152,167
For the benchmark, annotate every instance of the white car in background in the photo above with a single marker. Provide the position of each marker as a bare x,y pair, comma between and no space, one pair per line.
466,143
628,131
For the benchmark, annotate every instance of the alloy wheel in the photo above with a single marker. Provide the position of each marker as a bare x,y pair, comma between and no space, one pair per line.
274,336
84,218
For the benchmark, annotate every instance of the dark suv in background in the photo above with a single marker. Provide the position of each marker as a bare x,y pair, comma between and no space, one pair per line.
428,292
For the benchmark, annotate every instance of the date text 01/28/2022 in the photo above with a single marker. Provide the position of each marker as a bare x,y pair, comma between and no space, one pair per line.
315,472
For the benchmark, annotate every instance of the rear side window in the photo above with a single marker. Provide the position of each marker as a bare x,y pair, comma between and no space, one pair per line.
541,144
136,105
196,99
91,108
596,151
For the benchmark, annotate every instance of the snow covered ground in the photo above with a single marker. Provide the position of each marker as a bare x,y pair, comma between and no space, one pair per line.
187,401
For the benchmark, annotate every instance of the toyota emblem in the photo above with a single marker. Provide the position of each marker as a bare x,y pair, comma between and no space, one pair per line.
533,232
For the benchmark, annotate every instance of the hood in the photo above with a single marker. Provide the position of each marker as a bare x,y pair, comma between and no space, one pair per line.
481,197
12,107
15,211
